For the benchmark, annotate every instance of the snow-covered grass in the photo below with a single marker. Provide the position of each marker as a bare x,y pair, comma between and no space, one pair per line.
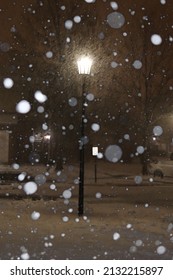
122,219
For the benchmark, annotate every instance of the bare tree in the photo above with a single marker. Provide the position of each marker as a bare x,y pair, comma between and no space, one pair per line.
129,93
143,88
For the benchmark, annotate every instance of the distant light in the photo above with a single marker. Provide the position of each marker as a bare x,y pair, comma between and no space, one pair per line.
47,136
84,65
94,151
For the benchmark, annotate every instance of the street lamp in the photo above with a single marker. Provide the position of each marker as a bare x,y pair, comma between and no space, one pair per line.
84,68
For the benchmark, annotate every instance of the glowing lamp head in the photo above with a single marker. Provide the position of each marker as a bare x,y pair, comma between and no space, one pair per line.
84,65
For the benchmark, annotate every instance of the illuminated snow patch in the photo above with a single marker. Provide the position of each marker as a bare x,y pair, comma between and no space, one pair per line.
30,187
156,39
23,107
8,83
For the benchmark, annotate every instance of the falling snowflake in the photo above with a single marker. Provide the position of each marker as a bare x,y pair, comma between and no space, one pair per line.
35,215
156,39
23,107
30,187
8,83
116,236
115,20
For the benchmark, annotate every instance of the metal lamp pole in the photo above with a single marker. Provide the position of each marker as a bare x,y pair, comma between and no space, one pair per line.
84,68
47,138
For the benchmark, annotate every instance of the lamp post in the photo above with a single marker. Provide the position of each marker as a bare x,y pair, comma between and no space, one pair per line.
84,68
47,138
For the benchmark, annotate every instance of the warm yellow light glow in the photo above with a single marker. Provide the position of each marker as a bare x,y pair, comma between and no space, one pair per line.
47,136
84,65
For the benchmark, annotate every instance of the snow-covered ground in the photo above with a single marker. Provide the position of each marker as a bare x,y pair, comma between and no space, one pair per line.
125,216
